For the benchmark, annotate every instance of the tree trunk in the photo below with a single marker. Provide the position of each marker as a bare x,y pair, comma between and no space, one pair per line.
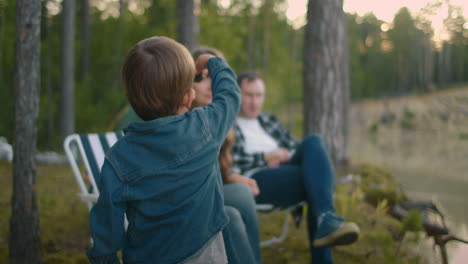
24,240
2,37
251,40
67,77
187,23
85,39
444,64
292,76
266,35
428,63
118,44
326,75
48,80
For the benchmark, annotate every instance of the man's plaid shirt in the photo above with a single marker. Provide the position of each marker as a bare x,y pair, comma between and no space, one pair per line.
243,161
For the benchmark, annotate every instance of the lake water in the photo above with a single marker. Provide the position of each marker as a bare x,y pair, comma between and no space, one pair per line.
430,159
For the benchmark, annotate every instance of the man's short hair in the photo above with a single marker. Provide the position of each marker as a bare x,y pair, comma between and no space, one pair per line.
157,73
248,75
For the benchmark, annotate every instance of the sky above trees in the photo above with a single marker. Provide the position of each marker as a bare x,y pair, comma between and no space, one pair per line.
384,10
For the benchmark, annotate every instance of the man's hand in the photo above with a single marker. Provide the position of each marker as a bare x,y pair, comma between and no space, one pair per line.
276,157
249,182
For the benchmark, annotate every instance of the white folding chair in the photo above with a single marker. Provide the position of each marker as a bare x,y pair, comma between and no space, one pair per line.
88,150
294,211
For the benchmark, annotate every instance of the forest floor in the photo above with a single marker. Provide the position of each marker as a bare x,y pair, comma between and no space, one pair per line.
65,230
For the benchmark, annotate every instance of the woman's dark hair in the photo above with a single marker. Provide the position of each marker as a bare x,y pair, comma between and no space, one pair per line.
206,50
225,157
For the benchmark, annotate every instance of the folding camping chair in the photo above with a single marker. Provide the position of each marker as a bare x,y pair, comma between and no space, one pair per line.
294,211
89,150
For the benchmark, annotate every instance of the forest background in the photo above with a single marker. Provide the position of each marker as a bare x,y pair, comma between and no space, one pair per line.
386,59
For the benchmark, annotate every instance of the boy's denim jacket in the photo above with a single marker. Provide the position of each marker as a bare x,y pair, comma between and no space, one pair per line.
164,175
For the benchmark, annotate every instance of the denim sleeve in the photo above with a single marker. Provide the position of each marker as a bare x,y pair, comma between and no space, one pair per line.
222,112
107,218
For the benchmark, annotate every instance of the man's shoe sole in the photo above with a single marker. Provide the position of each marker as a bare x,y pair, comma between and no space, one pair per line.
345,235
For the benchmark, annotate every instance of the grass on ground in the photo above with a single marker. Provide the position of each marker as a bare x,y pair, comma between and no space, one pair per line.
65,230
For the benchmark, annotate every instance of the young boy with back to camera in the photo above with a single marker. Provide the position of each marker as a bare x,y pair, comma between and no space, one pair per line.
164,173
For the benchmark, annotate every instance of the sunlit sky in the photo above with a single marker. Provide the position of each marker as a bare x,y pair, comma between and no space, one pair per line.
384,10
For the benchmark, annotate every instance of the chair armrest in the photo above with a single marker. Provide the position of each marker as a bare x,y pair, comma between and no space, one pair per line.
264,208
89,197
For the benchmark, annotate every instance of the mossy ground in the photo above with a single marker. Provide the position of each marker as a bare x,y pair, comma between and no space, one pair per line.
65,230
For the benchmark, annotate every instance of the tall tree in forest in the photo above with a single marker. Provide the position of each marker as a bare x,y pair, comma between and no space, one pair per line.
67,107
187,23
118,43
250,37
24,221
403,36
326,75
47,66
2,37
444,64
267,6
455,26
426,51
84,38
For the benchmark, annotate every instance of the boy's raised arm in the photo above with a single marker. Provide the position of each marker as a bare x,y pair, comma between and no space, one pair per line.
225,106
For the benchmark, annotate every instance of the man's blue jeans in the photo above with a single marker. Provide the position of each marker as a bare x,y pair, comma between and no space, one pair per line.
308,176
241,235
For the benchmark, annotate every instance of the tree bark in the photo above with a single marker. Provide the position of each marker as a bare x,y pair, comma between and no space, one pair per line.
118,44
48,80
24,240
266,35
250,40
67,73
326,75
187,23
2,37
444,68
85,39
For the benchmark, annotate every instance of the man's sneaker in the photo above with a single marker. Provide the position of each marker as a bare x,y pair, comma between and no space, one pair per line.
332,231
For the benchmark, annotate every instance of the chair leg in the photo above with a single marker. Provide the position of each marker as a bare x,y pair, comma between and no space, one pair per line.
275,240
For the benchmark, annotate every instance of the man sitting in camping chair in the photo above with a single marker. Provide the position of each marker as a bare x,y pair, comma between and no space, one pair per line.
287,172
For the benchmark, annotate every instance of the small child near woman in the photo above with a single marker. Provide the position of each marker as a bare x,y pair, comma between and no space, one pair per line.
164,173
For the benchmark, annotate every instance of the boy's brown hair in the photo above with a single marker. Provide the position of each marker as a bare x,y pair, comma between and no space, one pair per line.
157,73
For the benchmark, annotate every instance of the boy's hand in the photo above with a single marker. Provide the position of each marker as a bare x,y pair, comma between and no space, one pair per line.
202,62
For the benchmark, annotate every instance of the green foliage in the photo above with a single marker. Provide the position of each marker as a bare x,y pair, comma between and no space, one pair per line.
379,185
463,136
412,222
374,128
382,62
408,120
7,55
